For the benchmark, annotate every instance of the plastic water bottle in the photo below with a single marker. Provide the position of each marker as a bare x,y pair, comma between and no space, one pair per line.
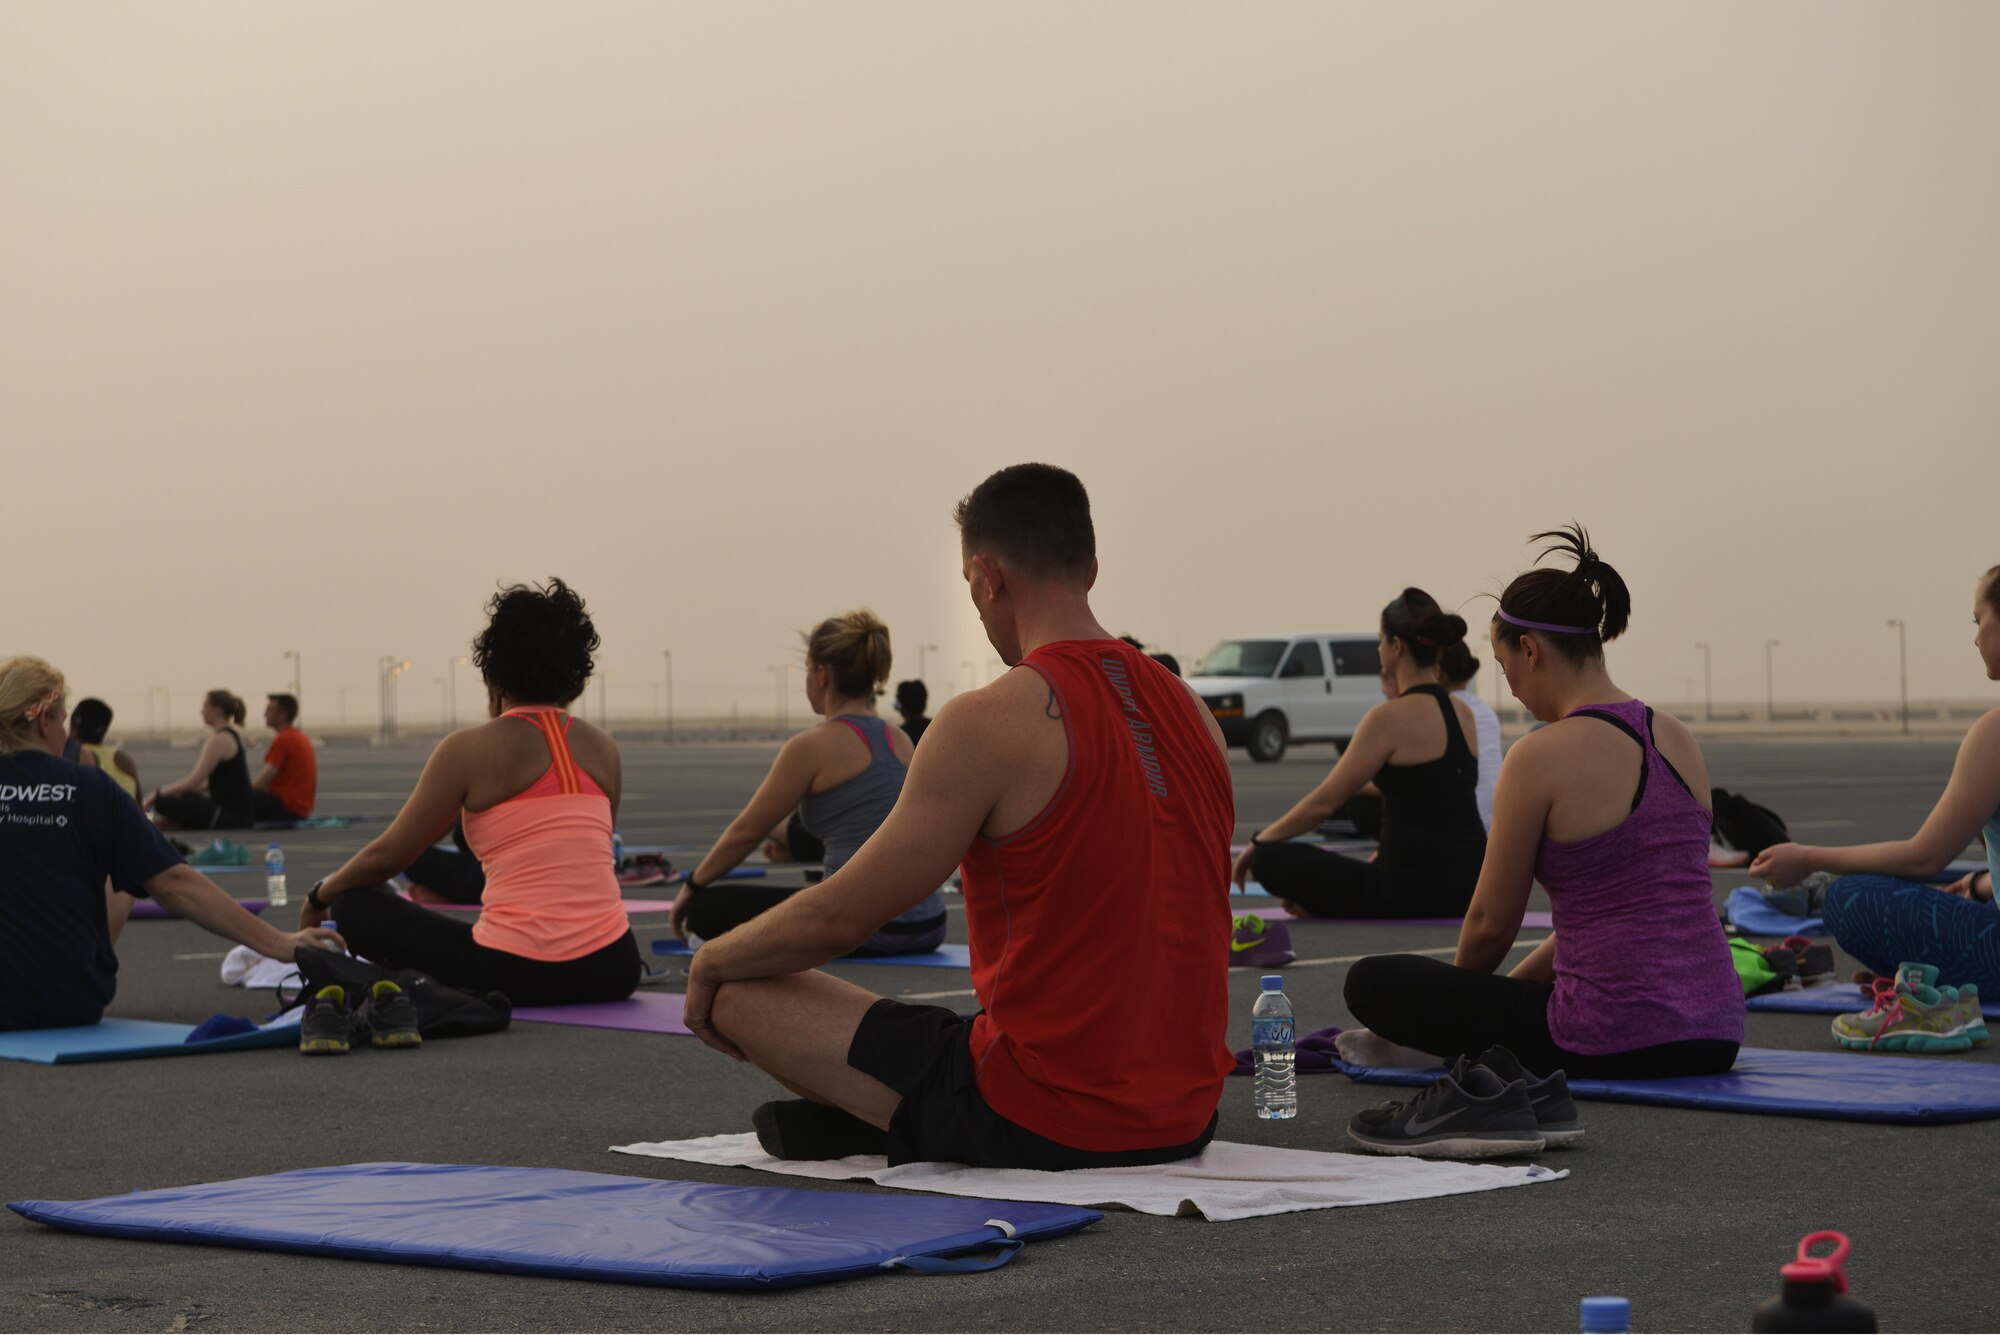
1610,1315
617,849
274,876
1815,1295
1274,1039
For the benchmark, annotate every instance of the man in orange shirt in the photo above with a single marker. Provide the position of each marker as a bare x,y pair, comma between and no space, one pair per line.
287,786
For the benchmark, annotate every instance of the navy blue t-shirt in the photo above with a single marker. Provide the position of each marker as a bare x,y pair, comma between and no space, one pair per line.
63,829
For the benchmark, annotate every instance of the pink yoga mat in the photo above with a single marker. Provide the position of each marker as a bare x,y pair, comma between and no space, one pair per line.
146,908
631,906
1276,914
643,1012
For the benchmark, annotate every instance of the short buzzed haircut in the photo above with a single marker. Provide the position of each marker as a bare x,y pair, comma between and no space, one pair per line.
1035,517
92,719
287,702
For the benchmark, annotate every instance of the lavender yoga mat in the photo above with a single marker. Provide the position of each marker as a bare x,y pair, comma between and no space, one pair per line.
1274,913
631,906
146,908
643,1012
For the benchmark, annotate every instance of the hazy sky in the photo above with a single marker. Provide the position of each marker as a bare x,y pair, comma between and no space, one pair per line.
315,321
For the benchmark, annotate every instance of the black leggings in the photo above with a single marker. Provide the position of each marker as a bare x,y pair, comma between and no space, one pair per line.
382,926
456,877
718,908
1432,1006
1329,885
198,811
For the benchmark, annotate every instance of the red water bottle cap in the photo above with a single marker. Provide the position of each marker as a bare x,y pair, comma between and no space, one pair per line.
1833,1263
1812,1271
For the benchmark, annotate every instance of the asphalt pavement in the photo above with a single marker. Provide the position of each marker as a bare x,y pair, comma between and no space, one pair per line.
1687,1213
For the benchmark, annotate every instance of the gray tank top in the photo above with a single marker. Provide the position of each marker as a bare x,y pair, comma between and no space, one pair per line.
845,815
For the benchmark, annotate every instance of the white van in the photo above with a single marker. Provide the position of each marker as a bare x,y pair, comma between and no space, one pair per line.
1268,691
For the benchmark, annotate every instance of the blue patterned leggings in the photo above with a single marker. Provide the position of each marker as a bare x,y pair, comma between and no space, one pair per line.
1883,922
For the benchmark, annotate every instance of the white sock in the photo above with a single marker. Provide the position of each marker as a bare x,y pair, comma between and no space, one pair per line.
1362,1047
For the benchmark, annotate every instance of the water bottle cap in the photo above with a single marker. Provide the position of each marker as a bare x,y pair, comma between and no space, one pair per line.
1812,1270
1606,1314
273,845
1274,982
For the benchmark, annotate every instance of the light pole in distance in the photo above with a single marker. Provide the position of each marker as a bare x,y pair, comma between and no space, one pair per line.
1903,661
1707,694
1770,697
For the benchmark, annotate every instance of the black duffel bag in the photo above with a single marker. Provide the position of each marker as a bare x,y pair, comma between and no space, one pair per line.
442,1011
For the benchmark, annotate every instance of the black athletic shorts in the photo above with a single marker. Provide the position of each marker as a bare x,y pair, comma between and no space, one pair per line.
923,1053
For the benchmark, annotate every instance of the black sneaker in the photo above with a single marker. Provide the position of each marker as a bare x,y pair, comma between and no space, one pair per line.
1470,1113
323,1029
390,1017
1555,1110
802,1129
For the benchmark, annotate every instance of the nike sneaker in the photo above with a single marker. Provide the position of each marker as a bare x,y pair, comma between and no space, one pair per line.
1555,1110
1252,941
644,869
1470,1113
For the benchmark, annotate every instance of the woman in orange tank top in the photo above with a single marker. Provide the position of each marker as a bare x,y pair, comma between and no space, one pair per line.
538,790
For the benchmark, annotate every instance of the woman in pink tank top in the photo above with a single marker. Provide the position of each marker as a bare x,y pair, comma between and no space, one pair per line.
1607,808
538,791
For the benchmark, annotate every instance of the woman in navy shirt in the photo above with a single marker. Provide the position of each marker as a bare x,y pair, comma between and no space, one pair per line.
76,849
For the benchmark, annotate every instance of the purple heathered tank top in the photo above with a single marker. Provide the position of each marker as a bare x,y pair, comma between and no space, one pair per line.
1641,958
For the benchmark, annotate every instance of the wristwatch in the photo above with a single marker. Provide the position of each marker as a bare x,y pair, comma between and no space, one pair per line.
312,897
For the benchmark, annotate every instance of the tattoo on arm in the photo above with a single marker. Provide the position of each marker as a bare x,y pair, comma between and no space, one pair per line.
1052,710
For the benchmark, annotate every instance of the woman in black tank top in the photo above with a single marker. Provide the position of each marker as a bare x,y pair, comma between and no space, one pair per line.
215,794
1432,838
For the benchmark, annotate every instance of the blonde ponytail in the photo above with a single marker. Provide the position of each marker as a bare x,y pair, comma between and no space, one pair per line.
29,689
855,649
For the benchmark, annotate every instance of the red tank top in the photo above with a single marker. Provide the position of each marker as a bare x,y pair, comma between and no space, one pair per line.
1097,929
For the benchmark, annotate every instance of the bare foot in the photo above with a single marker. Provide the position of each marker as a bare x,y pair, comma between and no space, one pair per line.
423,894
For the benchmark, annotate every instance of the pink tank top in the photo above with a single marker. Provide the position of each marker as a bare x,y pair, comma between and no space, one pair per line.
551,891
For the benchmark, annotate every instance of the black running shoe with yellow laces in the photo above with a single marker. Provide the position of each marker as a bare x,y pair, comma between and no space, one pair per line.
323,1029
390,1017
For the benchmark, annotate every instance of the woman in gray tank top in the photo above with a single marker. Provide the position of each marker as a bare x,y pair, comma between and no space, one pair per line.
843,778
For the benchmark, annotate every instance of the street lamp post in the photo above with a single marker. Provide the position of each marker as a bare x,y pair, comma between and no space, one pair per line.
1770,697
444,701
782,674
922,651
298,673
1903,660
1707,690
452,706
971,681
390,668
668,655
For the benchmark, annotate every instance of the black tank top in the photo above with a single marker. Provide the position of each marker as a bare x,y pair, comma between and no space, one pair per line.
229,782
1432,838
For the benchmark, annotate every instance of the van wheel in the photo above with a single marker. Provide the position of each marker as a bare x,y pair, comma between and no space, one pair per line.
1268,736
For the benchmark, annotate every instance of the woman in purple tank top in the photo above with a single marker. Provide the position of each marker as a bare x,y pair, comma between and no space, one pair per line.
1607,808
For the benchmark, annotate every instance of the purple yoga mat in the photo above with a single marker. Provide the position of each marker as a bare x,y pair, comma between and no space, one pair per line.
146,908
631,906
1276,914
644,1012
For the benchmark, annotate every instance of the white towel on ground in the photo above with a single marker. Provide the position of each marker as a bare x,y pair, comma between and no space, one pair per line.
244,967
1224,1181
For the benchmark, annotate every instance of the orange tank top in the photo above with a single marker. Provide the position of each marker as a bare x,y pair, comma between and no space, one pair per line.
551,891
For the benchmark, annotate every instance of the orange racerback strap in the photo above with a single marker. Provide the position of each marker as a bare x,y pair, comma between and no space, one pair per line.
557,736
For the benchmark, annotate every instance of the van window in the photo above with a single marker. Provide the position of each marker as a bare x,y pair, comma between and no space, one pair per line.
1357,658
1305,661
1240,658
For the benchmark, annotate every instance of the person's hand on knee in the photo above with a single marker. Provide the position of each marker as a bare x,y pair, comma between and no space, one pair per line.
698,1009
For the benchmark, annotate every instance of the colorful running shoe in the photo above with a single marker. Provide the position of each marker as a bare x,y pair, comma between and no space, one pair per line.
1252,941
1802,900
220,853
390,1017
1909,1015
1965,997
644,869
1470,1113
325,1026
1555,1110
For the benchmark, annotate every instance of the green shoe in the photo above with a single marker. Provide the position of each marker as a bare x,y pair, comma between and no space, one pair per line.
1909,1015
221,853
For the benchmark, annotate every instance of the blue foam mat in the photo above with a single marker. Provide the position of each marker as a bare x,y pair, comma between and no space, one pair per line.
1753,917
116,1040
1834,1086
1833,999
547,1221
944,957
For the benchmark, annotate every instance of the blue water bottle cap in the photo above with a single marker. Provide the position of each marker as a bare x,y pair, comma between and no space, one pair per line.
1274,982
273,845
1606,1314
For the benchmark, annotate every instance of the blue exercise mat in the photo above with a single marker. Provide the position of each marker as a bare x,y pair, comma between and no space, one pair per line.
1836,1086
570,1225
1753,917
944,957
1833,999
115,1040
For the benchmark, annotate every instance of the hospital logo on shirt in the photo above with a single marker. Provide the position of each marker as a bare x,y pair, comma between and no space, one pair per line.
14,796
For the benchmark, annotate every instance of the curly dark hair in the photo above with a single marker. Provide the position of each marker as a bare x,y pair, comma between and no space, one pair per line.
537,645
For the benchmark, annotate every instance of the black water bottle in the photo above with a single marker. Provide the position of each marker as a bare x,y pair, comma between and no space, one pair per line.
1815,1296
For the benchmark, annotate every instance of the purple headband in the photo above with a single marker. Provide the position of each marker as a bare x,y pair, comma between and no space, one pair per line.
1513,620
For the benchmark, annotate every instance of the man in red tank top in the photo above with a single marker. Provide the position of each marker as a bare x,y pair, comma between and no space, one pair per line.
1086,796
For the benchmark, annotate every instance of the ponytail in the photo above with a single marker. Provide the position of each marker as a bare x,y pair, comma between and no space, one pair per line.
1573,613
229,704
855,649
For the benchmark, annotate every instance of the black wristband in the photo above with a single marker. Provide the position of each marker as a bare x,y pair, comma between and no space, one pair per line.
1255,842
693,885
312,897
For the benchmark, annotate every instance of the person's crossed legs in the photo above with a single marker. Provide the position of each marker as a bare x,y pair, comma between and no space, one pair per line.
798,1029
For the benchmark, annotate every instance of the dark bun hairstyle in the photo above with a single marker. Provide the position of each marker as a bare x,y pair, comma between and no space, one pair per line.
537,645
1425,629
855,649
1457,663
230,703
1592,597
92,719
